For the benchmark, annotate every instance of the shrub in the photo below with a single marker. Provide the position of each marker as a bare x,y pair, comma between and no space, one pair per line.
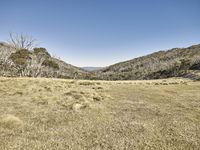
50,63
86,83
185,63
20,57
97,98
40,51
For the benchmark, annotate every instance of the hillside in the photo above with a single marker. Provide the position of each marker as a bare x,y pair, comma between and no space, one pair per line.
57,114
35,63
177,62
162,64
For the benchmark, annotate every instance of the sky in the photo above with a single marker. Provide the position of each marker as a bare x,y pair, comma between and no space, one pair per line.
103,32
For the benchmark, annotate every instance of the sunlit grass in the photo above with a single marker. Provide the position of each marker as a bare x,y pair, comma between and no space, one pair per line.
76,114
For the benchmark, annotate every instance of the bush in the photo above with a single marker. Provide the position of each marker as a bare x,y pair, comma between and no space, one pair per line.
20,57
40,51
50,63
86,83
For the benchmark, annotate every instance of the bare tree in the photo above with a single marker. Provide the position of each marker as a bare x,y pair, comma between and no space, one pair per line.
34,66
22,41
6,65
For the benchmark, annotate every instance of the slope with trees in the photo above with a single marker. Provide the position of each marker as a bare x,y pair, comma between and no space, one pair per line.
20,57
162,64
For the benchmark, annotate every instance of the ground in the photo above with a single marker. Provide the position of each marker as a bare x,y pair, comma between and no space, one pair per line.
76,114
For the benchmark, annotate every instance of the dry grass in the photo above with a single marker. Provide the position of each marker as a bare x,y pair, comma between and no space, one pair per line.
10,121
77,114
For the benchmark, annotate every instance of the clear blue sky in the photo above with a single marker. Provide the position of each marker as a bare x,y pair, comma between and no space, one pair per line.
103,32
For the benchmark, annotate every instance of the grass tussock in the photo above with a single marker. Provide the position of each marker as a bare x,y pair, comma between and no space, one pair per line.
10,121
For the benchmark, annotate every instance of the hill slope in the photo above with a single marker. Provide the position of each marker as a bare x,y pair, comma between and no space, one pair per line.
36,63
183,62
162,64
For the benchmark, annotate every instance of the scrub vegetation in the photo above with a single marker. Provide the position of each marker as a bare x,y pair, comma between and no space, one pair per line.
37,62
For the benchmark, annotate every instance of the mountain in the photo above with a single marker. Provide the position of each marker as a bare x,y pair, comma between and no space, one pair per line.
183,62
177,62
35,63
92,68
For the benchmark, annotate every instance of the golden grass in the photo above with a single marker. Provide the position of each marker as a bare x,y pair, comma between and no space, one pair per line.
10,121
76,114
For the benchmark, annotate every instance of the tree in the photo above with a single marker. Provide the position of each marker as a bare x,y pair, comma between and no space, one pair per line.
34,66
5,63
22,41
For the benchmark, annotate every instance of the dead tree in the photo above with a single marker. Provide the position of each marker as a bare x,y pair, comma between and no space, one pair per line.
34,66
5,63
22,41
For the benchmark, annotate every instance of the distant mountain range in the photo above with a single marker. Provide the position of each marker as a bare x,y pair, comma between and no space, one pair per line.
184,62
92,68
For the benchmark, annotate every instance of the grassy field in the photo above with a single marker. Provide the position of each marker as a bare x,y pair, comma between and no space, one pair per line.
57,114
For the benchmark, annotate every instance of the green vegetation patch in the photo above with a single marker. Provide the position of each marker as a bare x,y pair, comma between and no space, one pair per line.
41,50
20,57
50,63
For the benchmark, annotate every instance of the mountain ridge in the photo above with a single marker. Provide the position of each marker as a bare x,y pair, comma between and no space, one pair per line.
161,64
176,62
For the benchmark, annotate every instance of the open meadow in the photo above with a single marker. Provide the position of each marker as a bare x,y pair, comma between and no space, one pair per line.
43,114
